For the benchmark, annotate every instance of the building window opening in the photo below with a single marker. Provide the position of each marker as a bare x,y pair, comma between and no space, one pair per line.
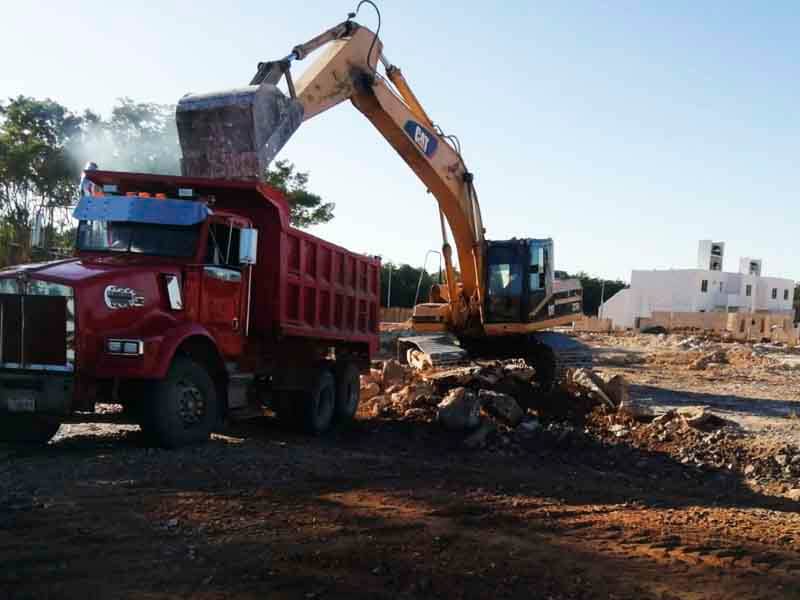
749,291
774,293
704,286
785,294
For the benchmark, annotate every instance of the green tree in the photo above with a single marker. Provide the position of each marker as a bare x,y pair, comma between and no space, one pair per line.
140,137
405,279
305,208
37,171
593,291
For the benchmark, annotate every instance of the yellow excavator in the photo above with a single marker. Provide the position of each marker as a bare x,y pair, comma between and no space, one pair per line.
504,294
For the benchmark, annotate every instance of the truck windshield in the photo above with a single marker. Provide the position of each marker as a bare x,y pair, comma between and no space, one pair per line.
138,238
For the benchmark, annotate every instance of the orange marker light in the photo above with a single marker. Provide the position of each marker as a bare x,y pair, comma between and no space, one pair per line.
144,195
131,194
161,196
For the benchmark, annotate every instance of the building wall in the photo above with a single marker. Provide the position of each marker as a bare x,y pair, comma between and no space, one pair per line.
681,290
617,309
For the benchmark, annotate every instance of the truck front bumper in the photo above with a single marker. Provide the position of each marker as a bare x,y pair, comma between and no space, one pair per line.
36,392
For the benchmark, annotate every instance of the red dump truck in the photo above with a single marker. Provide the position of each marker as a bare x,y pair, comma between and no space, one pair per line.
189,301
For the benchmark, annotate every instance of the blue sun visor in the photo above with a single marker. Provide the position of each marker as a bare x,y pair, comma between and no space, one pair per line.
137,209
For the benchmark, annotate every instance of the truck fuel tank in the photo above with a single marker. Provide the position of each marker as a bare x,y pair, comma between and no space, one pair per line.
235,134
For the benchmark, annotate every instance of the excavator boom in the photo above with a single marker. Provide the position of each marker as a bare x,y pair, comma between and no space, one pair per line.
237,133
506,289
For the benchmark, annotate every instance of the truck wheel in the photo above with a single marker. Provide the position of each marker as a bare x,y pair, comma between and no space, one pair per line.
26,429
183,408
319,403
348,391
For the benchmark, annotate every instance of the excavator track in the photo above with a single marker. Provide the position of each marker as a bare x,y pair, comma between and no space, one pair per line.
568,353
551,353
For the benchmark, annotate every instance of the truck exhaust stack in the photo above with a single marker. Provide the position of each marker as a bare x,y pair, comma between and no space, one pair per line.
237,133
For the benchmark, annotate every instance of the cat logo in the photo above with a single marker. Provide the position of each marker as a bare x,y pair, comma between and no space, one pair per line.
423,138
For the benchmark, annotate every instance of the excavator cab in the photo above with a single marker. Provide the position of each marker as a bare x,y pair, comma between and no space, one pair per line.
521,286
519,277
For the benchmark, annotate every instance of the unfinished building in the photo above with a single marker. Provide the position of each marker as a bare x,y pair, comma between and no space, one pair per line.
705,295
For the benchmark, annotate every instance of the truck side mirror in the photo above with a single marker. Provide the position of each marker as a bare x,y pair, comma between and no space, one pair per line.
248,246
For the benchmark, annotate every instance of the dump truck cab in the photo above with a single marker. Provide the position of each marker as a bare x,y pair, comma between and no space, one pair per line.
188,300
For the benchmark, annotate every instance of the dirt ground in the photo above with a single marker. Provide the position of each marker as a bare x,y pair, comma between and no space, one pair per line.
394,508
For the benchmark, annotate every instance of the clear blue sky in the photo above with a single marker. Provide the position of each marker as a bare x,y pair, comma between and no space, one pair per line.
626,131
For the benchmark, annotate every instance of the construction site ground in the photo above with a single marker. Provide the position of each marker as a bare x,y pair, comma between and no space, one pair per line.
395,507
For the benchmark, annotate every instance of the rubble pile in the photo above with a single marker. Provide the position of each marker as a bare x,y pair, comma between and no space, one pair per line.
498,404
698,438
458,398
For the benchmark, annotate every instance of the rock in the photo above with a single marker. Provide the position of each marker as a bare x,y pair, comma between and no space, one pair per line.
588,382
749,469
502,407
794,494
702,363
453,377
619,430
782,460
636,409
530,425
697,416
393,373
418,360
381,406
370,390
665,418
459,410
616,388
478,437
524,374
415,413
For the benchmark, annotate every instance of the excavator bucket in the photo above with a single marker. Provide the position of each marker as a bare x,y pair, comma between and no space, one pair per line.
235,134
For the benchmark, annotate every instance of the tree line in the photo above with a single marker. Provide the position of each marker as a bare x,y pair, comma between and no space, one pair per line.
45,145
405,279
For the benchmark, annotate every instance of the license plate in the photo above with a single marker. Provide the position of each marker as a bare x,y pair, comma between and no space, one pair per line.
21,402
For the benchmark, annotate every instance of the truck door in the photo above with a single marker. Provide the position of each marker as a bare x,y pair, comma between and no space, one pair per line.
222,288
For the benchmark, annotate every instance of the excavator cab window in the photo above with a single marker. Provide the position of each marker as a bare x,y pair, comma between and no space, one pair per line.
539,272
505,289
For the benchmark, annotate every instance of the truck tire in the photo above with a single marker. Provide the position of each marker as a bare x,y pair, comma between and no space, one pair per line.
319,403
348,392
27,429
183,407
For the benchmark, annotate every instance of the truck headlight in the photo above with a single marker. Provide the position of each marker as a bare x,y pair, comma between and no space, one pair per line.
125,347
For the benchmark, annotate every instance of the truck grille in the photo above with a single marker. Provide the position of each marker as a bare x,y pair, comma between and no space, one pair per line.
37,328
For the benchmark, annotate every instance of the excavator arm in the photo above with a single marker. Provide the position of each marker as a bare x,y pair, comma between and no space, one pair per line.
345,70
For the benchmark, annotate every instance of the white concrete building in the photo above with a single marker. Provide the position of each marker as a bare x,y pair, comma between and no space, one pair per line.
704,289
